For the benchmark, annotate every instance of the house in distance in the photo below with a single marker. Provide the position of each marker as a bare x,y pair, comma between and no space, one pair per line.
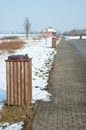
49,32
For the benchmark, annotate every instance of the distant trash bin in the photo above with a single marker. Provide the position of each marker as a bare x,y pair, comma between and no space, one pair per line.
54,42
19,80
80,36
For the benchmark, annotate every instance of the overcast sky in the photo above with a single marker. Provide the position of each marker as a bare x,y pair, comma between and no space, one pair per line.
63,15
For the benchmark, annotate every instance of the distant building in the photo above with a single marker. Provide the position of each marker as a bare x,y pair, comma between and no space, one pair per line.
76,32
49,32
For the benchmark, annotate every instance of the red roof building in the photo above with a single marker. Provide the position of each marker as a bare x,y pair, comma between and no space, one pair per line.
49,32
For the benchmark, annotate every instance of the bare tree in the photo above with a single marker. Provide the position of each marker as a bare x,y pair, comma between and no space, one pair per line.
27,27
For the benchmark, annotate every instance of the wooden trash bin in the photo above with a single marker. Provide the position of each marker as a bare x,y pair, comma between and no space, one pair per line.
53,42
80,36
19,80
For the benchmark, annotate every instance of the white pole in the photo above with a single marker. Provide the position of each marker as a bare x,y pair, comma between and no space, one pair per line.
46,36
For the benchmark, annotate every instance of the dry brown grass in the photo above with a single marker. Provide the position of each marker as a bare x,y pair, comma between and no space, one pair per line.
11,45
13,114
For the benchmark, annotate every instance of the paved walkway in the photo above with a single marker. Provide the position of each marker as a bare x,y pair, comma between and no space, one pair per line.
67,109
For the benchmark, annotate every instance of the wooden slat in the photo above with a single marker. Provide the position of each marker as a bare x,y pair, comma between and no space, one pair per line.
15,83
8,83
30,69
26,83
19,84
22,81
11,76
29,81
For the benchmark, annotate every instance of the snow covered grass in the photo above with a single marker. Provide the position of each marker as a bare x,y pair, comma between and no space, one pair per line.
74,37
14,126
42,59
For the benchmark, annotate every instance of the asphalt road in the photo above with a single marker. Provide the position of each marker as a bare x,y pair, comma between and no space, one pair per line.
80,45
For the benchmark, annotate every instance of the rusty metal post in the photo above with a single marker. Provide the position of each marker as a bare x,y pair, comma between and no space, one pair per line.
54,42
19,80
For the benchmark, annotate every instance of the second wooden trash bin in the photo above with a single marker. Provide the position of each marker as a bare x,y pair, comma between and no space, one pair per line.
19,80
54,42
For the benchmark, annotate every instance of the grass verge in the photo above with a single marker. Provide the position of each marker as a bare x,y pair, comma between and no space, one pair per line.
14,114
11,45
